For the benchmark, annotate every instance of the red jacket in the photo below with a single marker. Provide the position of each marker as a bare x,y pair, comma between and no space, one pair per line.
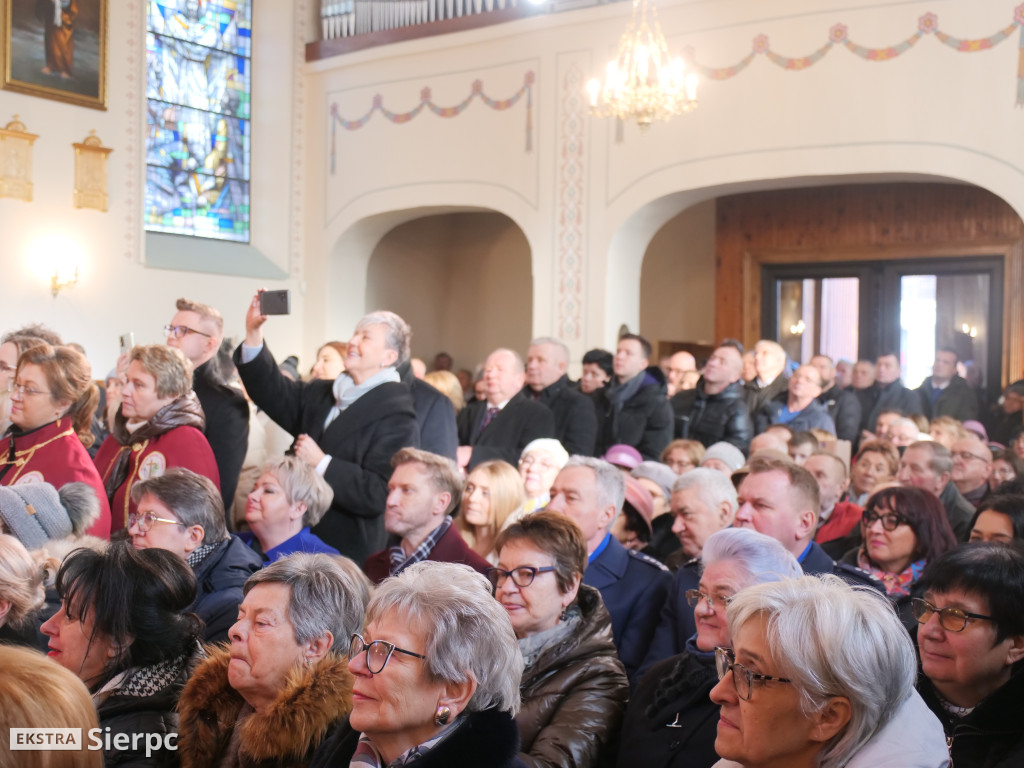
450,548
844,518
182,446
53,454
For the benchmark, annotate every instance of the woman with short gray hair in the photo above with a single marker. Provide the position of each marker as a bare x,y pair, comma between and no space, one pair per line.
437,674
820,675
289,497
281,687
670,720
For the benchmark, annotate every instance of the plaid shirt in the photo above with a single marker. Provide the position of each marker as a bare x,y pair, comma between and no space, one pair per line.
399,561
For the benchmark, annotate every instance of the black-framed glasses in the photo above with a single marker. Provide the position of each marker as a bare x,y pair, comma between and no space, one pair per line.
522,576
146,520
22,390
742,678
694,596
890,520
378,653
952,619
181,331
967,456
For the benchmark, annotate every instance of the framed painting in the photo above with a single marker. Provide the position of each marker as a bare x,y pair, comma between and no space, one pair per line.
57,49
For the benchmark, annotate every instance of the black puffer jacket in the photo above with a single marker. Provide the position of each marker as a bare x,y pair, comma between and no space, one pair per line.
844,408
574,694
992,736
644,421
711,419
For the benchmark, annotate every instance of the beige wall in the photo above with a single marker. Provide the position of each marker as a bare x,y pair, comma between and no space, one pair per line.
461,280
677,282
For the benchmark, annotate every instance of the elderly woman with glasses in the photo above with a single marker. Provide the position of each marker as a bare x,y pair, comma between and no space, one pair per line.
283,685
820,674
288,499
160,425
436,676
902,530
53,399
971,644
539,464
124,627
670,720
574,686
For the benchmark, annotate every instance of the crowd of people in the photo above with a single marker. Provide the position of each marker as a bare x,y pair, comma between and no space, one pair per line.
741,560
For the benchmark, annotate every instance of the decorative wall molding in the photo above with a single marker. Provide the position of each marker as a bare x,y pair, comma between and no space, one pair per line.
928,24
297,222
426,102
570,237
134,164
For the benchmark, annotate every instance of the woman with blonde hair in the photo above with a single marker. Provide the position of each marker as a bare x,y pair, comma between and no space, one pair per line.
492,497
22,590
53,399
448,385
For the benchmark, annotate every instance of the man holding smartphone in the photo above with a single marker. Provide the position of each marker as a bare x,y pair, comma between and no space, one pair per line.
197,330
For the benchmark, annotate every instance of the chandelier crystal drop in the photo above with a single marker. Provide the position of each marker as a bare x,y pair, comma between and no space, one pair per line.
642,83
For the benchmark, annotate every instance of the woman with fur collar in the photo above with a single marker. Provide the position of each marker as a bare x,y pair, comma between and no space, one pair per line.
280,688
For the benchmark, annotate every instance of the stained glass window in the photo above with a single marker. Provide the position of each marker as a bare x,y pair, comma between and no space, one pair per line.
197,148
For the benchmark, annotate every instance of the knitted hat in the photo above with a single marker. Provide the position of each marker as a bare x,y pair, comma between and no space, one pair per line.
657,473
623,456
290,367
33,513
550,446
727,453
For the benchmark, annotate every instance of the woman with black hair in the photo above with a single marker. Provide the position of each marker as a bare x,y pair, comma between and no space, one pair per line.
999,518
122,629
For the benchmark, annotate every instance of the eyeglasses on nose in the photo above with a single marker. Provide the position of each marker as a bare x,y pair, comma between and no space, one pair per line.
742,678
522,576
22,390
378,652
694,596
951,619
180,331
890,520
145,521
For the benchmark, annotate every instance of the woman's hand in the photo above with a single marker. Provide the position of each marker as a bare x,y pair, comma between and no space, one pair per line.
254,322
308,451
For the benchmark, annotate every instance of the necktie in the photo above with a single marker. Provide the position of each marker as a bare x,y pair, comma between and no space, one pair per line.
492,411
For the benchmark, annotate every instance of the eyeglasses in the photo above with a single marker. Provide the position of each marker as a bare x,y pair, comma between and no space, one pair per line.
522,576
967,456
890,520
952,619
529,461
181,331
694,596
378,653
22,390
144,522
742,678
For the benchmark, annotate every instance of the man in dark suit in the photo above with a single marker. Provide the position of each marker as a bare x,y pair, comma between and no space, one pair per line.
347,429
502,424
842,405
547,382
197,330
887,393
634,586
771,380
435,414
945,393
422,492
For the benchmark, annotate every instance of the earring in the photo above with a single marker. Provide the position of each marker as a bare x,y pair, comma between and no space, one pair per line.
563,615
442,716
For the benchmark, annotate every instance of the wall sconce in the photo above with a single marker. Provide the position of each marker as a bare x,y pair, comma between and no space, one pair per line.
969,330
16,161
799,328
91,173
57,285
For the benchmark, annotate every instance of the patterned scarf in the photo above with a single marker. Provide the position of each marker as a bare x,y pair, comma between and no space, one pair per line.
142,682
399,562
896,584
368,756
183,411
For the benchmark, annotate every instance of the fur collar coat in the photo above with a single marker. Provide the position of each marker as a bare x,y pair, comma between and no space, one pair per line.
312,703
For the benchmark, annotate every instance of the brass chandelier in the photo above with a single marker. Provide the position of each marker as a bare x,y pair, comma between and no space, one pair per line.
642,83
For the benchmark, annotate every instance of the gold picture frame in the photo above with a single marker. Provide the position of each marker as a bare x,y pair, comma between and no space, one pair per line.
56,49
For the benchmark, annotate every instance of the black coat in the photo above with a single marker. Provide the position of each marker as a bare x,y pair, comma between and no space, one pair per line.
894,397
644,421
844,408
435,415
671,720
227,426
634,587
958,400
992,736
574,413
758,396
487,739
360,442
220,577
959,511
710,419
520,422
